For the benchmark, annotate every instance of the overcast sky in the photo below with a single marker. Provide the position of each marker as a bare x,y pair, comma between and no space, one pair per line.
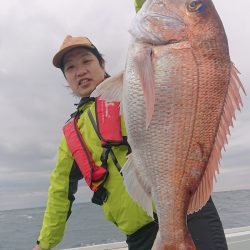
35,102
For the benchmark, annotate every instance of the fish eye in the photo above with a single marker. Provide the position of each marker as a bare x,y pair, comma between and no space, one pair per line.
194,5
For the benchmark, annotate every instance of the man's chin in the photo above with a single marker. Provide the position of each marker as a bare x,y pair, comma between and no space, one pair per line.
85,93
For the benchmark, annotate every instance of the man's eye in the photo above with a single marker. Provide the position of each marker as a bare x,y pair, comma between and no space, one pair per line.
87,61
69,67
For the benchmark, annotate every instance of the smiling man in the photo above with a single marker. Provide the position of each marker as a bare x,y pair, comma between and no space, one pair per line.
82,153
82,71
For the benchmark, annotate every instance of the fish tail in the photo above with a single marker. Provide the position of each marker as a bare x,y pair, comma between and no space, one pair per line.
177,244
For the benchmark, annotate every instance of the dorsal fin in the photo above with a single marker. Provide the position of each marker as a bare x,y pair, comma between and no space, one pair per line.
232,102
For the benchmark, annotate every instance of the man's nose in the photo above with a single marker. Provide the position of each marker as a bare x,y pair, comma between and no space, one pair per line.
81,70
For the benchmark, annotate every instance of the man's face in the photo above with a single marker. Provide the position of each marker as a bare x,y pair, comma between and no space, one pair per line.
83,71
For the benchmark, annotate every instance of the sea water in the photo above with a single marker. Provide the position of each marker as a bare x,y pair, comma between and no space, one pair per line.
86,226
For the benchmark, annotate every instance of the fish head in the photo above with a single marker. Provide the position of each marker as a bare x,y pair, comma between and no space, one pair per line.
161,22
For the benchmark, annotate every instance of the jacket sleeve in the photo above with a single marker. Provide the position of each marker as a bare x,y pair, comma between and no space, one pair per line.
138,4
60,198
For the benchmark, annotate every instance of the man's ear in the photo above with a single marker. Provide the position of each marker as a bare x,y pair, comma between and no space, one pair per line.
103,65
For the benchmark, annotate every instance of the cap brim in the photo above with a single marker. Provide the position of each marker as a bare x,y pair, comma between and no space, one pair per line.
57,60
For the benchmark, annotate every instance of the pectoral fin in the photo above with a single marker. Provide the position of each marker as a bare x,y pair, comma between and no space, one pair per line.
110,89
135,188
143,62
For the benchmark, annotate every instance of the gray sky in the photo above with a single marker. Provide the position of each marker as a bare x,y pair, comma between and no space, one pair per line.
35,102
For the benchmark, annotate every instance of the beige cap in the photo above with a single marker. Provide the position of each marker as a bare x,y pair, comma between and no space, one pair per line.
68,44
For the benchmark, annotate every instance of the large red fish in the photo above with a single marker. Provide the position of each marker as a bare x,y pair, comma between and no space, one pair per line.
179,93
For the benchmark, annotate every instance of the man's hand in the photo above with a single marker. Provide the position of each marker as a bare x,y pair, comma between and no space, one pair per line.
38,248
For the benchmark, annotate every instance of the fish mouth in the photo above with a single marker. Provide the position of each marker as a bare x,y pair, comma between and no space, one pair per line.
158,29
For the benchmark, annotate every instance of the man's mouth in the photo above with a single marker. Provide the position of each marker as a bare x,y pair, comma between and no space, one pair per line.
83,82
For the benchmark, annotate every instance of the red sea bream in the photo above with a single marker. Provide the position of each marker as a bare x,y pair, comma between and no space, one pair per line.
179,93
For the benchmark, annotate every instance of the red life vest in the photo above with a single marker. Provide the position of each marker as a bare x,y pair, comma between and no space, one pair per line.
108,129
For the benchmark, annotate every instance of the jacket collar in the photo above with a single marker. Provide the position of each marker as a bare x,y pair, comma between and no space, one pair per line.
85,100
